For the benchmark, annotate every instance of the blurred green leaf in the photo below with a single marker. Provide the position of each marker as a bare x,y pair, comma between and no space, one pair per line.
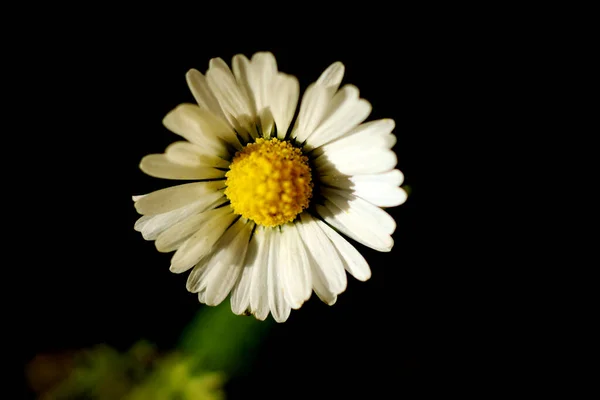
174,378
219,340
215,345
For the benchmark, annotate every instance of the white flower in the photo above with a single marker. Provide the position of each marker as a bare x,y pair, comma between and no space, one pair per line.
263,222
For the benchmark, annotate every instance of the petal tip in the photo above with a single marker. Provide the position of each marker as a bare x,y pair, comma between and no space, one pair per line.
192,73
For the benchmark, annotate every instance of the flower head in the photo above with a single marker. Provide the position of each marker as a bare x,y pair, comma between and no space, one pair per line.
262,221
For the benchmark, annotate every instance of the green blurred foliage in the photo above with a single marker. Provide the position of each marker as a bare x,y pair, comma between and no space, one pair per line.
215,345
175,379
219,340
102,373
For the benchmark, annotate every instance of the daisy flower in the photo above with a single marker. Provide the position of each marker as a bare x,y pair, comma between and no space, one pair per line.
271,194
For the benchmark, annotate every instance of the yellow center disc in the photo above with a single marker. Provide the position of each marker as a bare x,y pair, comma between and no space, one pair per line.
269,182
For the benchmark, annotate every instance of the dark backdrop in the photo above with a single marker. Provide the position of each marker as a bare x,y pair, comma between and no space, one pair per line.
93,279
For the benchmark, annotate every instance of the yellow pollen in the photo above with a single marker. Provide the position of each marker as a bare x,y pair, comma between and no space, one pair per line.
269,182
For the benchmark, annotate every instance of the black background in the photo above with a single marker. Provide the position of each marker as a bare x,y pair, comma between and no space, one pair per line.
93,279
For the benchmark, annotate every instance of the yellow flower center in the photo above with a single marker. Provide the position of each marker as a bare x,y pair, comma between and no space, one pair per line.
269,182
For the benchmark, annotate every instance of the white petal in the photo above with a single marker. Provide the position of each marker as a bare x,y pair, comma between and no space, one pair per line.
354,262
192,155
218,63
320,285
201,243
244,76
168,199
284,100
152,225
392,178
202,93
197,126
246,126
174,236
295,268
144,220
315,101
321,290
379,189
267,123
280,309
380,194
233,100
159,166
354,227
345,112
267,88
259,297
332,76
356,161
229,260
264,69
240,296
312,109
372,215
365,135
246,81
212,125
337,180
202,296
329,267
369,148
197,281
365,150
219,270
